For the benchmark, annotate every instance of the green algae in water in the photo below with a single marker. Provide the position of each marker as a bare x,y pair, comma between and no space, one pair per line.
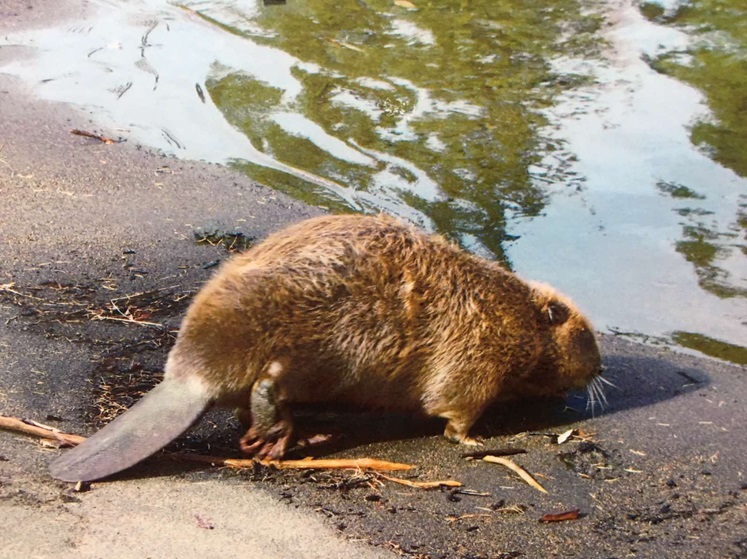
717,65
703,248
692,340
712,347
453,88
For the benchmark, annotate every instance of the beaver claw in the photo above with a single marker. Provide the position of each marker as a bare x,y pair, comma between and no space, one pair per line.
267,444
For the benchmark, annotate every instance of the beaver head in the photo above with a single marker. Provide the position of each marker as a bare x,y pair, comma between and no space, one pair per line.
570,356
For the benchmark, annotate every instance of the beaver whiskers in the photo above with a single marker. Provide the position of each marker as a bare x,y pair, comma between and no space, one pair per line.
595,390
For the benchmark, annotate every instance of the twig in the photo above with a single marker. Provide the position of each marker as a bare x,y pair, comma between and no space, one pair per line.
508,451
8,287
561,516
339,464
36,423
423,484
305,464
129,320
141,293
521,472
16,424
98,137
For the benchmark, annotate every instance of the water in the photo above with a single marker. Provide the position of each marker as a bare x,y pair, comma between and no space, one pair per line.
575,148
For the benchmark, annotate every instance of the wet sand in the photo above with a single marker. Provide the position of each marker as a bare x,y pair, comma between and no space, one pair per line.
662,473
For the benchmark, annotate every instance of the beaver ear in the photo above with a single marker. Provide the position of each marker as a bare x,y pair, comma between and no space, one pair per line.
557,312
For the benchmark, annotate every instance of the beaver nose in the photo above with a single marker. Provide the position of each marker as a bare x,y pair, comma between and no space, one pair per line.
601,370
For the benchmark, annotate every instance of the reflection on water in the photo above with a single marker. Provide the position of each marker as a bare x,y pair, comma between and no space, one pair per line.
715,62
529,133
654,235
429,113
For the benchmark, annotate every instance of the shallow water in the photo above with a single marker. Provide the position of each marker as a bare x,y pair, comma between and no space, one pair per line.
559,139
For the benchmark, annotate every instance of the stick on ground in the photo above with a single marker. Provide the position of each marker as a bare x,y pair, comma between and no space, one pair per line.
423,484
305,464
19,425
521,472
98,137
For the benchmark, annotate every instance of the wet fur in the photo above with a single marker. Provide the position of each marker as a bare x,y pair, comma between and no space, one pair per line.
371,312
368,311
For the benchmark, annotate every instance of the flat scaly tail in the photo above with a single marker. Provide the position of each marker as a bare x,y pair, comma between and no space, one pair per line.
158,418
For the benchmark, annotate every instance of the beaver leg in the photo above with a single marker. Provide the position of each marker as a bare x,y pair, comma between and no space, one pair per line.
458,424
271,421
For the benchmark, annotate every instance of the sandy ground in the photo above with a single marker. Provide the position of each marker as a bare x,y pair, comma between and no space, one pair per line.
662,473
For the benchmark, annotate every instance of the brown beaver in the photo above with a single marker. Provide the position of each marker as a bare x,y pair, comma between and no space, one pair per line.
358,310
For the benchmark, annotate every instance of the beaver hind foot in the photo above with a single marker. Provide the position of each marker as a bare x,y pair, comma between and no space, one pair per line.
271,421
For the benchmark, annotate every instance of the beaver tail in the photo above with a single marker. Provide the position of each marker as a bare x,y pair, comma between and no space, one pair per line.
158,418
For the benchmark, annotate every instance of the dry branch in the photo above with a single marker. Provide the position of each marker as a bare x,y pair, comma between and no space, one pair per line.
127,320
507,451
98,137
305,464
21,426
521,472
423,484
340,464
46,432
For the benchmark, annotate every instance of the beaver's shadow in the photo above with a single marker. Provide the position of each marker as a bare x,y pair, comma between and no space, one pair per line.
638,381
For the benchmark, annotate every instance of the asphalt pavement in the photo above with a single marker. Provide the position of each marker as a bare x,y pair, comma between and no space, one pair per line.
93,232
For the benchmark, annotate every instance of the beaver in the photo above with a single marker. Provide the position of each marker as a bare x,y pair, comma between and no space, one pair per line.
352,309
